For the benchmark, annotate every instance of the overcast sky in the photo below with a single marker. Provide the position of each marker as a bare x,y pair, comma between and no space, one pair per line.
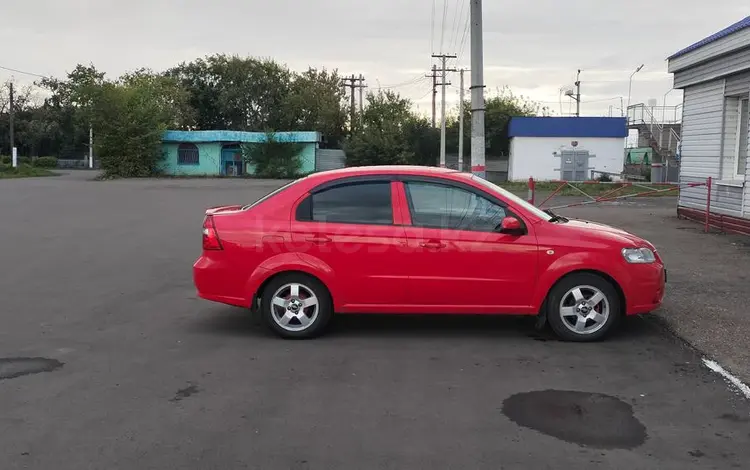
533,46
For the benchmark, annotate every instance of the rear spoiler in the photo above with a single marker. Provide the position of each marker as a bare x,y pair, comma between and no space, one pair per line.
218,209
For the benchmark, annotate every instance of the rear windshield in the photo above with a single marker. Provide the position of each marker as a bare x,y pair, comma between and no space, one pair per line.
271,194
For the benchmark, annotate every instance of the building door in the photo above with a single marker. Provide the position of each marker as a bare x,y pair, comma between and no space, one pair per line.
574,165
231,160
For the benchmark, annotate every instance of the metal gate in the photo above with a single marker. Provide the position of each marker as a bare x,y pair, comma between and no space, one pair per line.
329,159
574,165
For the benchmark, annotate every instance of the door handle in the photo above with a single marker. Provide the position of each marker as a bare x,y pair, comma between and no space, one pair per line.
436,245
318,239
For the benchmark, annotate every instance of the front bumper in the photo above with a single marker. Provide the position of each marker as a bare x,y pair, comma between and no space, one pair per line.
647,288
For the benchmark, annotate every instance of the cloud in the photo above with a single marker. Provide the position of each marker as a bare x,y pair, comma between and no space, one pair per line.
535,47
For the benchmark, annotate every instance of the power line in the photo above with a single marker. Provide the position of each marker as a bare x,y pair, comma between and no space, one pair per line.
456,25
432,28
419,78
442,31
463,38
462,20
22,72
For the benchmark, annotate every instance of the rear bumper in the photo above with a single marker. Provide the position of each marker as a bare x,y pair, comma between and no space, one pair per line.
646,290
210,283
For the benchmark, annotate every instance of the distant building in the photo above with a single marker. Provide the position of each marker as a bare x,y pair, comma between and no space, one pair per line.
714,74
214,153
565,148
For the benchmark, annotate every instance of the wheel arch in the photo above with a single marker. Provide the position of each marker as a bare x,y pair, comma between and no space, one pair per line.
607,277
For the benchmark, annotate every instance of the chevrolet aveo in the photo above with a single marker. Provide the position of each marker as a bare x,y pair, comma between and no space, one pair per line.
415,240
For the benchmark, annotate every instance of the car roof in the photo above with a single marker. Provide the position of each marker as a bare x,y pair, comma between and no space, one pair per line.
413,170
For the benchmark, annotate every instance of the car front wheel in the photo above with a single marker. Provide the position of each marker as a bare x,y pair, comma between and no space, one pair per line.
583,307
296,306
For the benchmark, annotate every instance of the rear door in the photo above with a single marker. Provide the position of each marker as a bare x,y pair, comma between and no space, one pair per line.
458,261
349,228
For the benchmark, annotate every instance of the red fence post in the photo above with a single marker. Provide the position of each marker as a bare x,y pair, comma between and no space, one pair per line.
708,203
532,190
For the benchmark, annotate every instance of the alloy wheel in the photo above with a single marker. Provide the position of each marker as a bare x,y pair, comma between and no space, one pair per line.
584,310
294,307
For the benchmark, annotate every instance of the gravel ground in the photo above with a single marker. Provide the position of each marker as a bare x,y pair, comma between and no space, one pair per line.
108,360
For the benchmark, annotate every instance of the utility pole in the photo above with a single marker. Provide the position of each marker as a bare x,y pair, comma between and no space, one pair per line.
353,110
361,101
461,124
443,83
477,90
11,126
351,83
578,94
433,76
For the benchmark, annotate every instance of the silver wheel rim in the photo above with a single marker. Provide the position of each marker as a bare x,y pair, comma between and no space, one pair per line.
584,310
294,307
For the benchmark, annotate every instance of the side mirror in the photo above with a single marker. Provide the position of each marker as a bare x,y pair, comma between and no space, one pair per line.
511,226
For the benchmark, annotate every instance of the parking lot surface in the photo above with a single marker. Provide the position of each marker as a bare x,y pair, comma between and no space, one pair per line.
108,360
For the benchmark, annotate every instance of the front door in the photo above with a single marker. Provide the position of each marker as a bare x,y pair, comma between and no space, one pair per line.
458,262
349,229
232,163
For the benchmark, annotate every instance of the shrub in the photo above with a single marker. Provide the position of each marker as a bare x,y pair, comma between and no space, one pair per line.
46,162
604,178
6,160
24,161
273,158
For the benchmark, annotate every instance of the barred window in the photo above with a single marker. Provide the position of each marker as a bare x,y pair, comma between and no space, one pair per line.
187,154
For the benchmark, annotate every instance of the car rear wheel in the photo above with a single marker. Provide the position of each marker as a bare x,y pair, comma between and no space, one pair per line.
583,307
296,306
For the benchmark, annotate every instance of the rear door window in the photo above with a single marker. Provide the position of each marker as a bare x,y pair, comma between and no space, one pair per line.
356,203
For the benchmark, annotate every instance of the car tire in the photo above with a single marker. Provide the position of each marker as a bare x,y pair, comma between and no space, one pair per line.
296,306
583,307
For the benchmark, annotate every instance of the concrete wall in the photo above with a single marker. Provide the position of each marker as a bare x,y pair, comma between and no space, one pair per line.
209,156
533,156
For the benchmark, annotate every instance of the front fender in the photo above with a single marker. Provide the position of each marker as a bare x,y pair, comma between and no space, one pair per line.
290,262
577,261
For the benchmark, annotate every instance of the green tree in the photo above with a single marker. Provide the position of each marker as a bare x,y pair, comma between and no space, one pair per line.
315,103
391,134
132,115
499,109
233,92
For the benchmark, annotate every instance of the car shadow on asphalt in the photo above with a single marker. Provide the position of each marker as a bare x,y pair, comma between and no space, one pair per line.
231,321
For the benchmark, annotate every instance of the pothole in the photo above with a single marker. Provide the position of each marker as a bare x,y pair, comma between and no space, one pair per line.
587,419
13,367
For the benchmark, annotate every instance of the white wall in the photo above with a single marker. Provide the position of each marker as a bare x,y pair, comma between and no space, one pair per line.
533,156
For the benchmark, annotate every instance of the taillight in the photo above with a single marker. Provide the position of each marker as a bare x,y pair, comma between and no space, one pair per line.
210,236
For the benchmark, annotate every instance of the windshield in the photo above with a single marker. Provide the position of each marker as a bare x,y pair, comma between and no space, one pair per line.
512,197
272,193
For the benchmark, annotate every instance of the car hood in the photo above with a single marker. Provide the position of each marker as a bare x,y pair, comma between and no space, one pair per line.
589,228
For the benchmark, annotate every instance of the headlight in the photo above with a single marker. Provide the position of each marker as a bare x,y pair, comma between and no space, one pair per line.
638,255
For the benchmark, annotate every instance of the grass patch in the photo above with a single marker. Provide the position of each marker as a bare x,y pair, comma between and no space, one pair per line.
23,171
592,189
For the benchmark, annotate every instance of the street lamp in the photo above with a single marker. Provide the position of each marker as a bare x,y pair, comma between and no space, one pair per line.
630,84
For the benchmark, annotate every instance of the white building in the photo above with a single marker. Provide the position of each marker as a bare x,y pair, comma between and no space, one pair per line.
565,148
714,75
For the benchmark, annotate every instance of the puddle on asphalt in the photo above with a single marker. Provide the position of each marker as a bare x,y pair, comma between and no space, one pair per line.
587,419
12,367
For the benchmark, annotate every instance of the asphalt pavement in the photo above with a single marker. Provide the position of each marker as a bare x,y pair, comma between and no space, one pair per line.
109,361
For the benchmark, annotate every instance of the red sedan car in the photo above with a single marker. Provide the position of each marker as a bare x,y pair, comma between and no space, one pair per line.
401,239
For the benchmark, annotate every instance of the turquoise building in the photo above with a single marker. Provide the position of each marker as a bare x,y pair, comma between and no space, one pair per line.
214,153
